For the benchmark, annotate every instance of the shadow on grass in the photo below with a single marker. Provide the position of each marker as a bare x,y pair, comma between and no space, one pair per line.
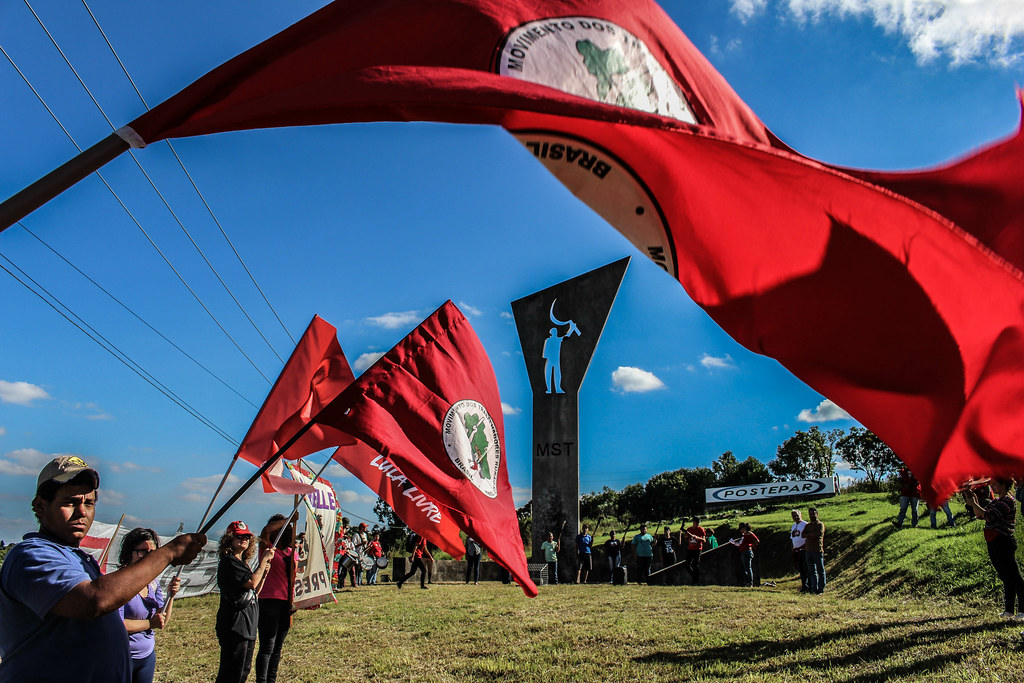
761,656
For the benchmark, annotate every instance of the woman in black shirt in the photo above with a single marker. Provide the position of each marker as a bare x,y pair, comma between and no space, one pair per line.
238,613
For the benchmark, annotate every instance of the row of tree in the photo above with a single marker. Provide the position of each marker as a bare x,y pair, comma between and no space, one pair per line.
807,454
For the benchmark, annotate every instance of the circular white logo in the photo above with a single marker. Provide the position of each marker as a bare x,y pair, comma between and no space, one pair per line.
471,441
596,59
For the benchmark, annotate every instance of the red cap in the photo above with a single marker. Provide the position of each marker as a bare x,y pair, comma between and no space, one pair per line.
239,529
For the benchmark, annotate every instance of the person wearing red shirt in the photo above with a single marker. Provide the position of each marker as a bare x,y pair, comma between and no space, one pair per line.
376,552
418,555
695,537
747,543
275,597
910,496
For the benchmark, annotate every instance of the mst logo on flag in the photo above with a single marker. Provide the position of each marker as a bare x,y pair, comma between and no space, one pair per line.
596,59
471,440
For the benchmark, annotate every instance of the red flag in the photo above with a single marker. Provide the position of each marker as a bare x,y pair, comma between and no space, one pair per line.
431,406
414,507
904,309
315,373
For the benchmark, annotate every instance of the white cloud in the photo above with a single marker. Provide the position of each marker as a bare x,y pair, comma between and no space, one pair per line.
506,315
748,9
111,497
470,310
25,461
394,321
206,485
21,393
3,431
717,362
353,497
521,494
957,30
635,380
827,411
99,416
366,360
507,409
122,467
336,471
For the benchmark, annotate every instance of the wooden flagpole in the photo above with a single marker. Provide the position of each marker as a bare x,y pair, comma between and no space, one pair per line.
52,184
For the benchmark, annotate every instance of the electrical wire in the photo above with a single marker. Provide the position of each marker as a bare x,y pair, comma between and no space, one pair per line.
223,232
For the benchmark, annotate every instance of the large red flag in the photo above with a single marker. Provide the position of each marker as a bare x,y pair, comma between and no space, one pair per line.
898,296
431,406
414,507
314,374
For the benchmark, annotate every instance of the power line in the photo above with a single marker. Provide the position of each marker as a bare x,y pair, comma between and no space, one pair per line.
56,304
135,220
202,197
133,313
174,215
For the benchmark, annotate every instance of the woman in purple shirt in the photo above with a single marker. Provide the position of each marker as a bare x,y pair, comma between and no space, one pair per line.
143,613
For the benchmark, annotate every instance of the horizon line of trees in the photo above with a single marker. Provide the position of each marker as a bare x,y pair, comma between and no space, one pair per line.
809,454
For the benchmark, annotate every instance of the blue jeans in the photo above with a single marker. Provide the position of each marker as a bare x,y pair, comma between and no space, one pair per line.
949,515
905,502
747,565
143,669
553,573
815,571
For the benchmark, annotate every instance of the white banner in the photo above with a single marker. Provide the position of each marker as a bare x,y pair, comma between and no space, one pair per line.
197,578
776,489
313,564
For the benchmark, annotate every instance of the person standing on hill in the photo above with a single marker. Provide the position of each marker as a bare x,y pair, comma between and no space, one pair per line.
668,551
814,535
910,496
1000,517
644,544
584,554
695,537
550,548
613,551
799,545
747,543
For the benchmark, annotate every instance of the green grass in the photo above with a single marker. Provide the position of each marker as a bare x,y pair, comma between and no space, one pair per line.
913,604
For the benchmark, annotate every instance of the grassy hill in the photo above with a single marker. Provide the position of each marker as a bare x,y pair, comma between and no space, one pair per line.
913,604
864,553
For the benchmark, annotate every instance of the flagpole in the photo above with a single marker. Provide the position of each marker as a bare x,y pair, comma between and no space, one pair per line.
52,184
298,503
106,551
255,477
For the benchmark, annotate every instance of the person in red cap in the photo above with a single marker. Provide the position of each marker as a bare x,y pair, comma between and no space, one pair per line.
238,616
53,598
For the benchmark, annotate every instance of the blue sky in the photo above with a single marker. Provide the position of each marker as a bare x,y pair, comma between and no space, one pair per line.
372,226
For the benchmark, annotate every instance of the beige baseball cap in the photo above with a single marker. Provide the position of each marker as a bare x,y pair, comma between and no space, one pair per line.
64,468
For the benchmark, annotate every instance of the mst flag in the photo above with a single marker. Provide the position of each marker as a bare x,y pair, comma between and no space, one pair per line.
413,506
431,406
898,296
315,373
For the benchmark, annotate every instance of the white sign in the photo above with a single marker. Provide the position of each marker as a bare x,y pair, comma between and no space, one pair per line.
313,564
775,489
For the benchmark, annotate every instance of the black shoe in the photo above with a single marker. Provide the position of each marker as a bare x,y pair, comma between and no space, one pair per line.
424,587
400,585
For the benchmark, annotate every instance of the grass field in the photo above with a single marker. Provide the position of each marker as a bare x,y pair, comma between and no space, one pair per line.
596,632
913,604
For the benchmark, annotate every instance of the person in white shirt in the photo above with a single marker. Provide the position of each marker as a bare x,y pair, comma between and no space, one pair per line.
799,558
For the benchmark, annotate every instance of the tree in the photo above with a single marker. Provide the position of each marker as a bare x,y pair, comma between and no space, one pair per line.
725,469
666,494
697,479
631,505
804,455
752,471
863,451
598,504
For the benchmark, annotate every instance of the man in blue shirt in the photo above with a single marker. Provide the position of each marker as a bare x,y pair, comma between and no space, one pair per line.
584,555
644,545
58,612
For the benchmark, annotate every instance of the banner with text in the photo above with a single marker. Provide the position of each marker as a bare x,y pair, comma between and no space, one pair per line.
775,489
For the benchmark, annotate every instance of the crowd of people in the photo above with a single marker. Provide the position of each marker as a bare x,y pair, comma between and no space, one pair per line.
54,596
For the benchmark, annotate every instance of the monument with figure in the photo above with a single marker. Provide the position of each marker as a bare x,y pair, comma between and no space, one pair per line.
559,328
